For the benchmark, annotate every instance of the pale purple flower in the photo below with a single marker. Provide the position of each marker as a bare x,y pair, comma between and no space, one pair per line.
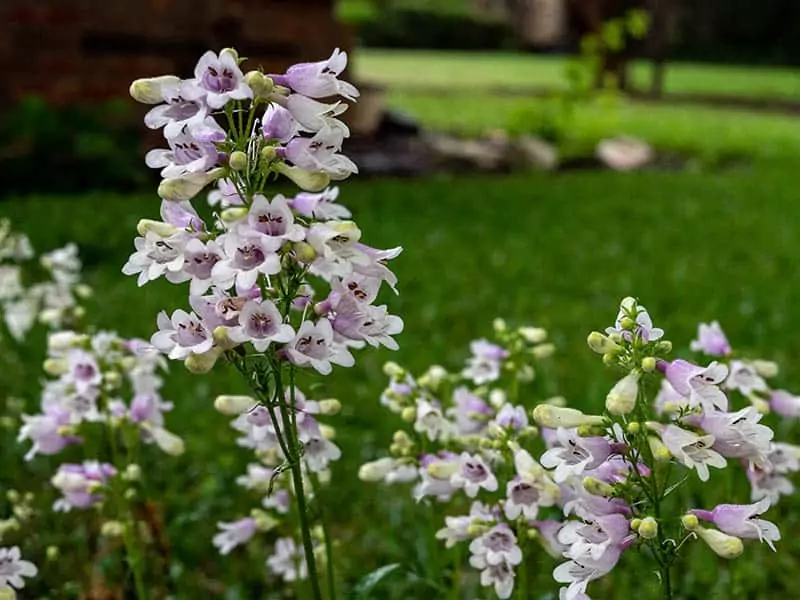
359,321
575,454
249,254
313,116
692,450
258,429
187,153
43,430
457,528
321,154
578,572
314,346
288,561
576,500
739,434
470,412
473,475
219,79
274,219
321,206
149,408
549,531
80,484
668,400
529,490
699,384
156,255
595,537
785,404
495,546
262,324
279,124
225,195
13,568
436,482
711,340
178,111
181,335
199,260
512,417
742,521
83,371
484,364
430,420
319,79
319,452
744,378
234,534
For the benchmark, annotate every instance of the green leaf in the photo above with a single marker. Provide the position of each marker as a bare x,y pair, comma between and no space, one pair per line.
369,581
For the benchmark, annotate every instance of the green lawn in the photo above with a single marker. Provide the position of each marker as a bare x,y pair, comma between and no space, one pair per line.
404,69
552,250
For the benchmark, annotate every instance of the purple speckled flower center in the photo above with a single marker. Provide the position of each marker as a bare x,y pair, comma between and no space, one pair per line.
219,81
474,471
191,333
313,346
248,256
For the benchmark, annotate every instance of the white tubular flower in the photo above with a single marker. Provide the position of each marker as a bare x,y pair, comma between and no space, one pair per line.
691,450
234,405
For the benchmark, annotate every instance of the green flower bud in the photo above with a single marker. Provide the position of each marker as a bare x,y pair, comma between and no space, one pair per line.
602,344
648,364
238,160
158,227
304,252
261,85
307,180
621,400
409,414
648,528
149,90
234,404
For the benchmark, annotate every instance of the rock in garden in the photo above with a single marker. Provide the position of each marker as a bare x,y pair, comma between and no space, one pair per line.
624,153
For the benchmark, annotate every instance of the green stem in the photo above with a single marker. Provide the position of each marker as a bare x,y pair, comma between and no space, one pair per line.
329,571
299,492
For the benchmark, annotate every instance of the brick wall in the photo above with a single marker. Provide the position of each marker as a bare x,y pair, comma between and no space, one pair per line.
90,50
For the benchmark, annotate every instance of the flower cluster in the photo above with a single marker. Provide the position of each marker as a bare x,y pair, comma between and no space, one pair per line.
467,444
276,283
91,375
259,433
616,472
49,296
251,265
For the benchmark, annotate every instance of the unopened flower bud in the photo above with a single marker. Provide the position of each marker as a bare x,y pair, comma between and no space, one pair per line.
130,494
627,323
690,522
498,398
409,414
610,359
261,85
760,404
62,341
533,335
268,154
442,469
187,186
7,593
112,378
307,180
554,417
597,487
634,427
543,351
264,521
766,368
55,366
304,252
52,553
499,325
167,441
476,529
237,160
133,472
83,291
202,363
330,406
233,214
590,431
13,496
664,347
149,90
648,364
376,470
392,369
402,439
635,524
327,431
660,451
234,404
112,529
602,344
648,528
621,400
723,545
158,227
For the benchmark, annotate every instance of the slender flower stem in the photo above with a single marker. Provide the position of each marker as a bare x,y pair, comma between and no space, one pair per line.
297,478
329,572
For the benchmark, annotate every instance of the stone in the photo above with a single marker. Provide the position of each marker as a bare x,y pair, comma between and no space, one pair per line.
459,154
534,152
624,153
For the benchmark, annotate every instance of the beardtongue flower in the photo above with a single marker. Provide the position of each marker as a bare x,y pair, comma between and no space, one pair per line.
575,454
45,431
218,79
742,521
711,340
739,434
691,450
319,79
13,569
698,384
785,404
234,534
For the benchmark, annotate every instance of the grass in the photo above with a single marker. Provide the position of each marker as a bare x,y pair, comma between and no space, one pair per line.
556,251
470,72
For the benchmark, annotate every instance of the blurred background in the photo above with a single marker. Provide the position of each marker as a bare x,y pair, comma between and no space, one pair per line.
538,160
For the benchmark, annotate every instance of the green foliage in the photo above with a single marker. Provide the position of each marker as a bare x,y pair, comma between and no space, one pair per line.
77,147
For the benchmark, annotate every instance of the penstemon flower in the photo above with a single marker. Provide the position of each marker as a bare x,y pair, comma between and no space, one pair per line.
278,284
